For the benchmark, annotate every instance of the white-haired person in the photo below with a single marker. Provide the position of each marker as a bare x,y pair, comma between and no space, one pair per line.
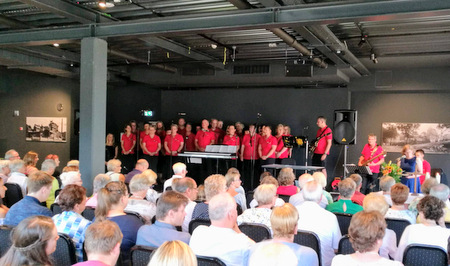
4,170
12,155
322,180
265,195
386,182
344,204
442,191
268,180
298,199
426,188
376,202
233,184
100,181
214,184
114,167
188,187
49,166
366,231
179,171
17,176
137,203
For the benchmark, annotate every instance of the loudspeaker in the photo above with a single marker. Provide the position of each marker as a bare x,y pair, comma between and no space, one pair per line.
345,127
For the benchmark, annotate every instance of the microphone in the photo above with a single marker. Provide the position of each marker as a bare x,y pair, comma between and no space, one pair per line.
307,127
259,114
401,157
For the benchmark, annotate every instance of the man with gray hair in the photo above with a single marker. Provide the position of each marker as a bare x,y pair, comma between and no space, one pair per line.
188,187
347,188
298,199
442,191
358,197
49,166
322,222
100,182
12,155
222,239
141,166
18,169
386,182
179,170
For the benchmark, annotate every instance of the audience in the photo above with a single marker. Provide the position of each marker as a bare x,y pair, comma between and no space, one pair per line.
441,191
172,253
179,170
188,187
298,199
322,222
39,187
386,182
376,202
398,210
49,166
72,200
358,197
366,232
233,179
3,209
141,166
428,232
322,180
99,182
268,180
214,184
71,177
152,195
426,188
4,170
169,214
31,158
18,176
102,244
201,196
114,167
12,155
347,188
33,240
273,254
222,238
137,203
286,179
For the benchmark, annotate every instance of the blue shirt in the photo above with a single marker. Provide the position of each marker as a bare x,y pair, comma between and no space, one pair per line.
200,211
26,207
156,234
74,225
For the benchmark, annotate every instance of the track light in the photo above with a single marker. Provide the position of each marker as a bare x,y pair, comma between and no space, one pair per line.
105,3
363,40
213,45
373,57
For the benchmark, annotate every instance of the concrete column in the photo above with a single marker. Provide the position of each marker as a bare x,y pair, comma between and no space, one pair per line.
92,109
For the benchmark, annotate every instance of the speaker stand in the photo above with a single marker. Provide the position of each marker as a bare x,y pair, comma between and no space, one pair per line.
345,161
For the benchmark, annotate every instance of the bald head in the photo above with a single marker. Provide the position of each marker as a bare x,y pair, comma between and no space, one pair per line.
142,165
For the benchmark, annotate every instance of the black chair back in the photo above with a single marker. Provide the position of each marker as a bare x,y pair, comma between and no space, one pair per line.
196,222
209,261
398,226
65,251
284,197
344,221
56,209
141,255
57,192
424,255
89,213
137,215
257,232
447,224
249,197
309,239
345,247
5,237
12,195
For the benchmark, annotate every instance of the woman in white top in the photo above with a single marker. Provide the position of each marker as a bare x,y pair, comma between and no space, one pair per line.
399,210
428,232
366,231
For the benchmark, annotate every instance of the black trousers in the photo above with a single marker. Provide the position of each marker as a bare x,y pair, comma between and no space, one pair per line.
370,183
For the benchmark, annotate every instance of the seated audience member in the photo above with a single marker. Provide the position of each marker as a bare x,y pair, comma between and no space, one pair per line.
233,183
100,181
152,195
137,203
112,200
322,180
39,187
12,155
173,253
358,197
55,158
114,167
141,166
386,182
169,214
376,202
102,244
298,199
222,239
3,209
286,179
49,166
344,204
33,240
239,189
441,191
214,184
201,196
272,254
18,176
266,196
188,187
268,180
428,232
179,170
71,177
322,222
4,170
398,210
426,188
72,200
366,232
74,163
31,158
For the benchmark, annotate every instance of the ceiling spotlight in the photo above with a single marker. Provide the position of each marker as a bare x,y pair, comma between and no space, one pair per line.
338,51
273,44
373,57
105,3
363,40
56,44
213,45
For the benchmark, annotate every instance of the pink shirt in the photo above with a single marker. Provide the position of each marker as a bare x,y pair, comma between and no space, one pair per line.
173,143
280,146
151,143
128,142
266,145
367,153
250,146
322,145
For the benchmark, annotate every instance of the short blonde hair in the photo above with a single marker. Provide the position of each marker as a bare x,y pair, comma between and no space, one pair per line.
320,178
140,182
113,164
230,177
173,253
375,202
284,219
305,178
150,175
286,177
214,185
265,193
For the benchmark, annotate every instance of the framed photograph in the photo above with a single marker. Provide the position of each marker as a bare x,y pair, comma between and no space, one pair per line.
46,129
430,137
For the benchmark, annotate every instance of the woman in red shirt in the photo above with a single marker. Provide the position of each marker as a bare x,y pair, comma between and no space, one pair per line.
127,143
151,145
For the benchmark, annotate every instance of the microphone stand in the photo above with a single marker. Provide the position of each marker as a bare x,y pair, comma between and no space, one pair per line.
306,147
252,158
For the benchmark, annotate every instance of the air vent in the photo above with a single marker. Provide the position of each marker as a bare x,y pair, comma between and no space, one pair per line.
251,69
195,71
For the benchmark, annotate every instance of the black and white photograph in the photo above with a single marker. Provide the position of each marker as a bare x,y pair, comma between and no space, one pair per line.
430,137
47,129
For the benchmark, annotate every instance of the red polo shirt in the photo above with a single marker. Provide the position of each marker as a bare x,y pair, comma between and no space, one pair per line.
266,145
173,143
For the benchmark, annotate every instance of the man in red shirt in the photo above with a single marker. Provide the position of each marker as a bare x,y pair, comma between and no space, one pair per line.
151,145
204,137
324,144
267,146
173,144
218,133
371,150
426,165
182,127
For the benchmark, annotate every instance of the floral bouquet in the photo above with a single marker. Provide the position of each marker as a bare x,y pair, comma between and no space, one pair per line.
392,169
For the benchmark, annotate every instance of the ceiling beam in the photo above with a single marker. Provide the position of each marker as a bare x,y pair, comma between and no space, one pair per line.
13,23
183,50
245,19
69,10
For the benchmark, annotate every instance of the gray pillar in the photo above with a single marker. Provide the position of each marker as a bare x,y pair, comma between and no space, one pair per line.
92,109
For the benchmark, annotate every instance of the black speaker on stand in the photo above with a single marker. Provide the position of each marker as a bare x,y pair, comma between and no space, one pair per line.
344,132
